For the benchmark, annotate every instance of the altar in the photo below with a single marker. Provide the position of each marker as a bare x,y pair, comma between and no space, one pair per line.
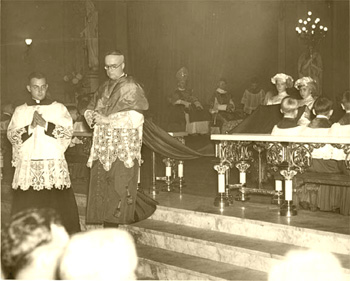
289,157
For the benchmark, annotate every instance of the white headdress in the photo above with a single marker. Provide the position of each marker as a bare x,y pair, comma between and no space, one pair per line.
284,77
304,81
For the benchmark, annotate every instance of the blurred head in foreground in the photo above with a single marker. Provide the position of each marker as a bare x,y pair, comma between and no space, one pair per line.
101,254
308,265
31,244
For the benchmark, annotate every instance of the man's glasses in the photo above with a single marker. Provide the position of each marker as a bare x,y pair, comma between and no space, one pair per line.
112,66
37,88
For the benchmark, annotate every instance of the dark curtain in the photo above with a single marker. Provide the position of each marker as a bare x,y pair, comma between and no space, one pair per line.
159,141
262,120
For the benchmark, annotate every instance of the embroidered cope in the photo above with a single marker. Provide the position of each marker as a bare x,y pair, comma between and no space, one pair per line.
121,101
121,139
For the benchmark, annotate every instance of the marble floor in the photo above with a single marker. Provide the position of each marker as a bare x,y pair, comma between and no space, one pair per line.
256,209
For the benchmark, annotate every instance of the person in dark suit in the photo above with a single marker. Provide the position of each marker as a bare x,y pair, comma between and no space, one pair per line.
288,126
6,147
31,244
323,109
345,104
342,129
7,111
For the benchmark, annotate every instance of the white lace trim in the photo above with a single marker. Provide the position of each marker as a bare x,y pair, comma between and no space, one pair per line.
15,137
41,174
89,117
110,144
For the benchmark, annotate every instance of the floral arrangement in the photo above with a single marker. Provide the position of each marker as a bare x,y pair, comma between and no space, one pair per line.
73,86
310,30
73,77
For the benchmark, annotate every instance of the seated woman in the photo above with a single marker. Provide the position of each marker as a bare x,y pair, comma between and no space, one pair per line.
186,112
307,89
282,82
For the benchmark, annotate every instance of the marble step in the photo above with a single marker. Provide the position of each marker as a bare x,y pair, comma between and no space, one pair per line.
160,264
252,253
298,236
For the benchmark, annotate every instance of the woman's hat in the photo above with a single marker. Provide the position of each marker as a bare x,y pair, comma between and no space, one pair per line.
304,81
284,77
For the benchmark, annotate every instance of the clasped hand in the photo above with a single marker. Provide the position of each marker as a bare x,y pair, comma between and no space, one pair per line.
100,118
38,120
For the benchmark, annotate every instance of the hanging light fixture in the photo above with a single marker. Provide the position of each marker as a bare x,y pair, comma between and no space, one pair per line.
310,30
28,41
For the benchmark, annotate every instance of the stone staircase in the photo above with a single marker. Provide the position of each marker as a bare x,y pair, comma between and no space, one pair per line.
190,243
179,244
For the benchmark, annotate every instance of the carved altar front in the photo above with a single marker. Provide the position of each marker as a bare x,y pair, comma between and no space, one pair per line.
287,155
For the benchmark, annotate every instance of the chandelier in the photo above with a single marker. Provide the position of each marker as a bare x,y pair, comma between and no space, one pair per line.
310,30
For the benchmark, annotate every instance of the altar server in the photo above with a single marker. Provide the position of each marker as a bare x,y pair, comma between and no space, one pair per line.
320,127
221,106
288,126
342,127
40,131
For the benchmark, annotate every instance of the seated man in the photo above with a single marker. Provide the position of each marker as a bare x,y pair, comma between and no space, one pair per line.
342,129
186,112
79,123
77,153
288,126
100,254
322,161
31,244
221,106
322,158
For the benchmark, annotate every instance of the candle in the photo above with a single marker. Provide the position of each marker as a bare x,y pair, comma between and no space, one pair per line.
139,176
242,177
221,182
220,147
168,171
278,185
288,190
180,170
